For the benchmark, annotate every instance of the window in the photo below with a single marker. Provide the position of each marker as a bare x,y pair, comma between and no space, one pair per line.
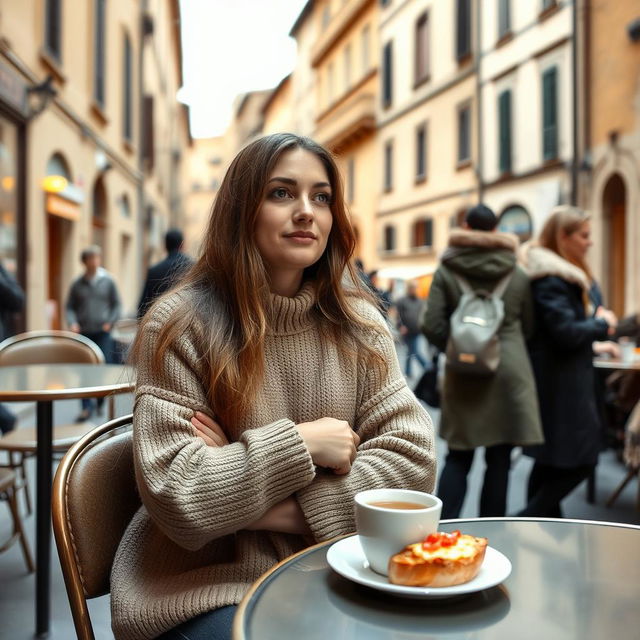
388,166
504,18
365,39
125,208
330,83
422,233
463,29
148,146
516,219
387,74
422,49
127,88
421,153
464,134
99,213
548,4
504,131
52,29
550,114
351,180
347,66
99,53
326,17
389,238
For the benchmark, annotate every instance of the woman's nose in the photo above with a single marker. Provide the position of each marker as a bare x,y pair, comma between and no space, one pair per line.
304,210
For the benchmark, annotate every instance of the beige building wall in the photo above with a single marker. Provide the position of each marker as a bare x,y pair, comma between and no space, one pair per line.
536,42
278,111
612,187
89,138
433,104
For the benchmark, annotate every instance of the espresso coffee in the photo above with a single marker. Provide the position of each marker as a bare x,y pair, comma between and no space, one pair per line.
396,504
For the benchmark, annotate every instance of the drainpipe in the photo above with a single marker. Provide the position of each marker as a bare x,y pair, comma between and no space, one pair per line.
575,110
141,199
478,65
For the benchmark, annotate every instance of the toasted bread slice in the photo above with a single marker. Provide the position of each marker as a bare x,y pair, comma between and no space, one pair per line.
431,565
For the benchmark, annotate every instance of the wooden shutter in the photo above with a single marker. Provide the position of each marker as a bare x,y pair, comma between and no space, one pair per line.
99,53
463,29
127,88
550,114
388,166
504,17
147,140
464,134
387,74
421,152
52,29
504,115
422,48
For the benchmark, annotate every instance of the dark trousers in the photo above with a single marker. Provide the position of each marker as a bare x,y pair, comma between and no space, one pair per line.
411,341
452,487
549,485
213,625
104,340
7,420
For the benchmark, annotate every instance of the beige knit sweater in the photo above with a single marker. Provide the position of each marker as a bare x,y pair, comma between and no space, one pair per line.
186,551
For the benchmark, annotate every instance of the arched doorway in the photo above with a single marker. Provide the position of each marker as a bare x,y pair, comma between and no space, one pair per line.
614,210
61,212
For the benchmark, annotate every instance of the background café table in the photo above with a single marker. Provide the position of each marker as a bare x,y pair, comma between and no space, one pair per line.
43,384
569,579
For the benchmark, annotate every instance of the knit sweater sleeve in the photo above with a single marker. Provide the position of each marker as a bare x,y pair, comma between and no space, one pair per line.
396,447
193,492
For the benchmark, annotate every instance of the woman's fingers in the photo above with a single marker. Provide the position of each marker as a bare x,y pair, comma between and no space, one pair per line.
206,425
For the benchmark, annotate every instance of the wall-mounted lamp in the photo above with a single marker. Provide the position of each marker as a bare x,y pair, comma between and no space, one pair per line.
39,96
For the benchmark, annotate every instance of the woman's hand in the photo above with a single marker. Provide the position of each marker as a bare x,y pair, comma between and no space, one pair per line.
209,430
332,443
609,317
284,517
607,347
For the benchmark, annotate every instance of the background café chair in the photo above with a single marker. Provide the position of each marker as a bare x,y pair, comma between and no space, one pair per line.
94,499
45,347
8,493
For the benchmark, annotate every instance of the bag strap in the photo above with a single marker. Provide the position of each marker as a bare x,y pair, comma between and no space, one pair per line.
498,290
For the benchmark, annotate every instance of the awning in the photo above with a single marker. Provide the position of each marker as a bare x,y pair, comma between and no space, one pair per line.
406,272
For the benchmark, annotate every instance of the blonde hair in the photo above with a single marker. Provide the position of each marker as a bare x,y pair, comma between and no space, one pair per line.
563,221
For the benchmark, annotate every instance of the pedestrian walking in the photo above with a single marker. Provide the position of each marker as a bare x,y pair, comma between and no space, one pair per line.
92,308
268,394
166,273
497,410
11,301
567,324
409,309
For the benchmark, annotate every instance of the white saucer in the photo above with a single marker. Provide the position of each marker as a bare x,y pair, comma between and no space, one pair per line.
347,558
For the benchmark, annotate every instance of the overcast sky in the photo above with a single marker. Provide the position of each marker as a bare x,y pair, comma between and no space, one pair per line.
231,47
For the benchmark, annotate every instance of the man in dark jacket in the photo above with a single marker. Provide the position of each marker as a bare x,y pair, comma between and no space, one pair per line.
409,310
495,411
163,275
11,301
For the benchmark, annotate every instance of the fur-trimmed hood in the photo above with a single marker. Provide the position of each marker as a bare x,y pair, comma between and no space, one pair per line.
481,254
540,262
483,239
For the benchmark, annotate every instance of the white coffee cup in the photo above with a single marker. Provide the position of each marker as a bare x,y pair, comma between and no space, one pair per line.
627,349
384,531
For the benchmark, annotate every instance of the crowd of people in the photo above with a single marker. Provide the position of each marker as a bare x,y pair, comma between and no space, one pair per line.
269,391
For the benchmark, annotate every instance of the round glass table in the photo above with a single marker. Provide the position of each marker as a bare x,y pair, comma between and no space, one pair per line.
569,579
43,384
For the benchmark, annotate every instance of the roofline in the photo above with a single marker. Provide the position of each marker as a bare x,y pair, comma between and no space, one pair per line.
306,10
274,93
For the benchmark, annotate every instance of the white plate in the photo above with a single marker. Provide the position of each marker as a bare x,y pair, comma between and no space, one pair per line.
347,558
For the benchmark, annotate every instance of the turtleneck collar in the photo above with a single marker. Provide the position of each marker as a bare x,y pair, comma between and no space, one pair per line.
292,315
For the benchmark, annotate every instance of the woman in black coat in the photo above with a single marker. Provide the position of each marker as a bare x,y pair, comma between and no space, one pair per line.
567,324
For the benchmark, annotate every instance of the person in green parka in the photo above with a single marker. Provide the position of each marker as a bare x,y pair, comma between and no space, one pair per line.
497,411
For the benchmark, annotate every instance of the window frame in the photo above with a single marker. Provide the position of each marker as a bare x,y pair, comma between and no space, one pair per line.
504,19
100,53
387,75
389,238
505,131
463,33
550,131
422,28
388,166
127,88
462,108
421,155
53,30
422,227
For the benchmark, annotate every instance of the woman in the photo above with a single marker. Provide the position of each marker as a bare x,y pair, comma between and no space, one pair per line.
299,398
568,322
494,411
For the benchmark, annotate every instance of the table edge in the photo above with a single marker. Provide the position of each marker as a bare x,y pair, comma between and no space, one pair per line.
238,626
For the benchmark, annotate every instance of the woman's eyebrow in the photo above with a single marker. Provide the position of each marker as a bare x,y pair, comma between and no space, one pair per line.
293,182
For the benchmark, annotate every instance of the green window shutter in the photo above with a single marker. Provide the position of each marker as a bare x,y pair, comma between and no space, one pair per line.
504,111
550,114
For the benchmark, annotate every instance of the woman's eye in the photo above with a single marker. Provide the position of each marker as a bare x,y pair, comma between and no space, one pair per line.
323,197
280,192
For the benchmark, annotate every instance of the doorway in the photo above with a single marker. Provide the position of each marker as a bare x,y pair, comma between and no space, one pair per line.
58,234
614,210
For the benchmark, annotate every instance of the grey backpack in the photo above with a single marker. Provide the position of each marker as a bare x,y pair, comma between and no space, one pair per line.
474,346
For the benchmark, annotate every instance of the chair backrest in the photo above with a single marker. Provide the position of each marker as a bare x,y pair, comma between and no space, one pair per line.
49,347
94,499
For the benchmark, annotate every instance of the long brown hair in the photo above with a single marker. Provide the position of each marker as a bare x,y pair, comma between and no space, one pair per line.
227,290
563,221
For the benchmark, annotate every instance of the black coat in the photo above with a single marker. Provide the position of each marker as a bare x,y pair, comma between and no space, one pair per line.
562,358
162,276
11,301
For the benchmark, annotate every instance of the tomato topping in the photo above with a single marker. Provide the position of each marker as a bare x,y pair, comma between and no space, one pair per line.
435,540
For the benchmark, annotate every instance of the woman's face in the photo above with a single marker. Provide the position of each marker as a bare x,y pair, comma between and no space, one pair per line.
576,244
294,219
